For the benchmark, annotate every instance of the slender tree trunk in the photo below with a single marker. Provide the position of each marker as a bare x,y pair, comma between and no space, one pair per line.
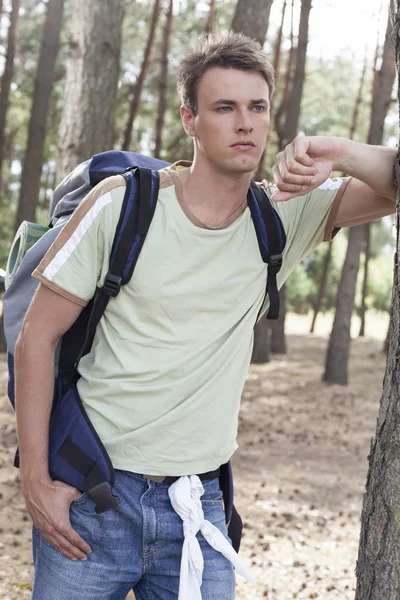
281,112
91,82
322,285
275,63
364,293
261,348
337,356
211,17
6,81
378,564
339,342
252,18
382,89
357,104
278,340
137,88
293,114
163,84
32,168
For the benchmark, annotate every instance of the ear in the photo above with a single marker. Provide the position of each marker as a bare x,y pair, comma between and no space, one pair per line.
187,117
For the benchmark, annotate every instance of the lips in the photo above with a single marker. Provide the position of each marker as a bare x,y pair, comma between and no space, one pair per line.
242,143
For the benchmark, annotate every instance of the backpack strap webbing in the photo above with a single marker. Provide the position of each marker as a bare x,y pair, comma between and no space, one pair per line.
271,239
136,215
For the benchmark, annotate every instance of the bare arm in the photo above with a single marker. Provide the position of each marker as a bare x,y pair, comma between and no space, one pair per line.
47,319
308,161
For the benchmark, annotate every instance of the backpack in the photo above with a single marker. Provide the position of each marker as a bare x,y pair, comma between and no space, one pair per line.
76,453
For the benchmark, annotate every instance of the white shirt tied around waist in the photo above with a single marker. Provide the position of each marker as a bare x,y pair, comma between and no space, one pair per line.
185,495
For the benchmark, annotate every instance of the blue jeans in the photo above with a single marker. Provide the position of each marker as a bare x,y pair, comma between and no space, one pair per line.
136,546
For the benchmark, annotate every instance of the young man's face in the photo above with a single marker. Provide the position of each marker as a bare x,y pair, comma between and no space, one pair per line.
232,120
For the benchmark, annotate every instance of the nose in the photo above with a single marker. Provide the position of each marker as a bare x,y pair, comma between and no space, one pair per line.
243,122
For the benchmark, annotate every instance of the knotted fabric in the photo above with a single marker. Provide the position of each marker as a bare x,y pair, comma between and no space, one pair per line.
185,494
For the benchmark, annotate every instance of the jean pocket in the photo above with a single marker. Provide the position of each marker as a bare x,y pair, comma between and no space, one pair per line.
79,500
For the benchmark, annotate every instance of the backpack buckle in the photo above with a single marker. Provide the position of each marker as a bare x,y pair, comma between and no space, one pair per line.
103,497
112,285
274,263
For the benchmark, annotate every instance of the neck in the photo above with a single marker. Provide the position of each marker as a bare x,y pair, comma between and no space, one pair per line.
203,184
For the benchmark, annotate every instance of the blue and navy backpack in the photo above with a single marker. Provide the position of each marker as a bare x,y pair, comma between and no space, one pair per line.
76,453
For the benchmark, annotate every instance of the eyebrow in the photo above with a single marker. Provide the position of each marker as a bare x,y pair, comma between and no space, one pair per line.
234,103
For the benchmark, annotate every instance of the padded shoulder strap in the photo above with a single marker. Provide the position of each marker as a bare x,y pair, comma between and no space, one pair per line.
137,212
271,240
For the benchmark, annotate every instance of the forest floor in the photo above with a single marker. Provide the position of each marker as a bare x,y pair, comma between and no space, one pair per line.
299,473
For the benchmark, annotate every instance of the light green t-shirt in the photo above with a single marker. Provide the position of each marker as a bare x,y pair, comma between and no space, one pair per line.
163,380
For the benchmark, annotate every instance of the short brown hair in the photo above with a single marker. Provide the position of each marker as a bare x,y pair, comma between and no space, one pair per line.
229,51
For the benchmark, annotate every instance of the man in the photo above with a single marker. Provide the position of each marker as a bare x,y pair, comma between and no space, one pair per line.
163,380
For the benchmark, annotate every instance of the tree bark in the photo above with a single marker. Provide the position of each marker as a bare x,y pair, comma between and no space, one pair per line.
322,285
252,18
91,81
357,104
6,81
364,293
281,112
293,114
211,17
163,84
261,347
137,87
293,102
275,63
382,89
339,342
33,160
378,564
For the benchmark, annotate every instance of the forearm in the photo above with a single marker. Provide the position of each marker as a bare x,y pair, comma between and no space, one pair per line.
373,165
34,388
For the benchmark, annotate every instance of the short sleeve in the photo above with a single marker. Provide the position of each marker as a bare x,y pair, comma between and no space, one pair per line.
77,262
307,220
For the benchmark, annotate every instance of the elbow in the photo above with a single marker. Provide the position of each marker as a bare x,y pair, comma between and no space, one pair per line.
33,339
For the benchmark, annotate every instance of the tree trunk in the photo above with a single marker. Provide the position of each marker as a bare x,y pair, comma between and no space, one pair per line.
322,285
339,342
293,101
382,89
293,114
163,84
275,63
211,17
378,564
278,338
281,112
261,348
364,293
337,356
252,17
32,168
91,81
357,104
6,81
137,88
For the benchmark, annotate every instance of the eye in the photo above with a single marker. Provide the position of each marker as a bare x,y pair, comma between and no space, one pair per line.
224,109
259,108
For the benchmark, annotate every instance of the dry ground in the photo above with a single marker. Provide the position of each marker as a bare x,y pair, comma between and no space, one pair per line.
299,472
